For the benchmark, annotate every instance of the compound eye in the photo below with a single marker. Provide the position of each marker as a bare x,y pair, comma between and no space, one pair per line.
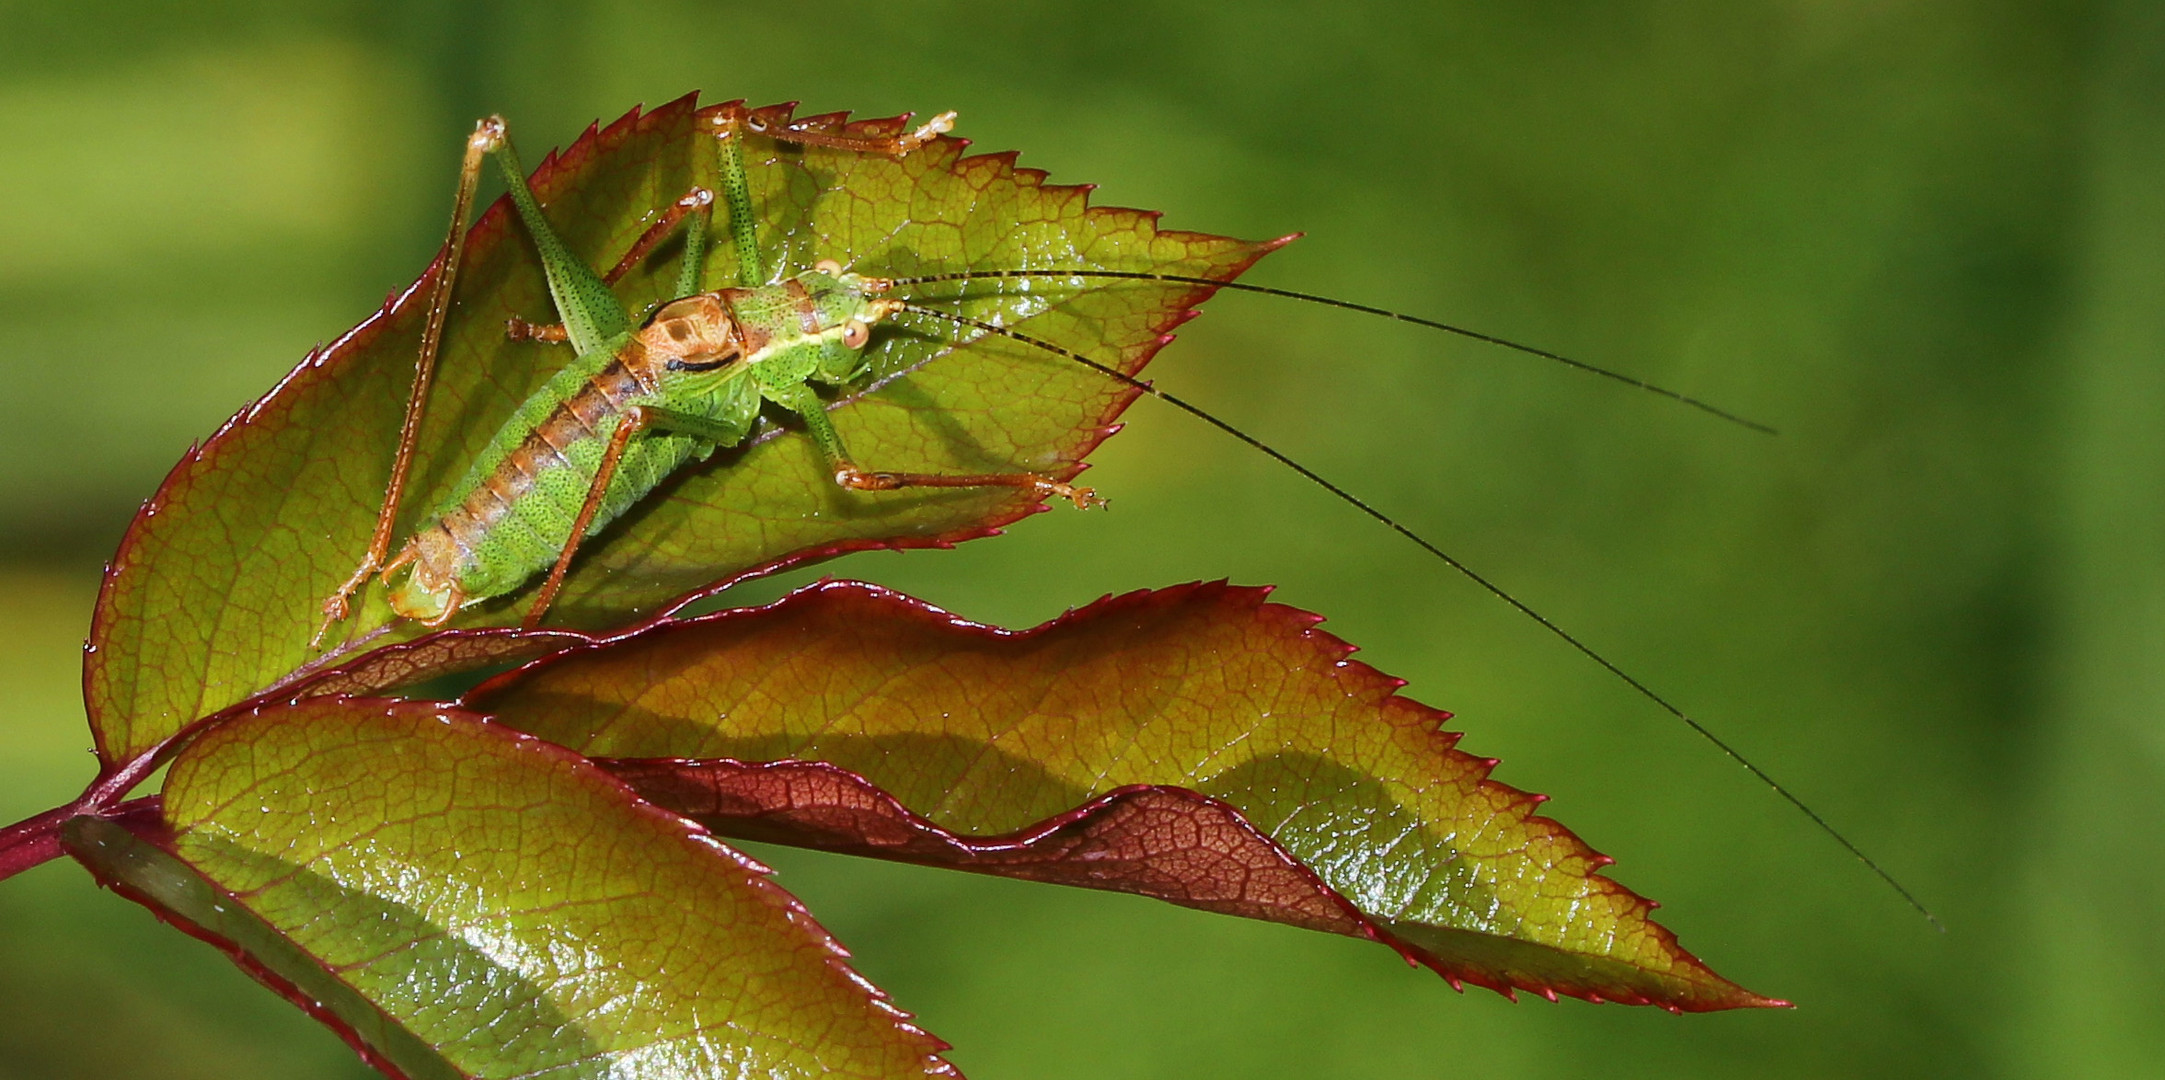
855,333
829,267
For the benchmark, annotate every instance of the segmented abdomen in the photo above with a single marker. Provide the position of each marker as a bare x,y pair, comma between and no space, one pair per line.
512,514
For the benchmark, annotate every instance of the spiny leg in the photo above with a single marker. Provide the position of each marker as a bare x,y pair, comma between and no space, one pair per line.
768,123
592,314
856,479
692,270
629,424
518,329
635,419
799,398
695,204
488,135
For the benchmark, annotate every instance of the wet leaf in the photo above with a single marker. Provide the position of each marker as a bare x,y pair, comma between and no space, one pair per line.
1195,743
460,900
214,593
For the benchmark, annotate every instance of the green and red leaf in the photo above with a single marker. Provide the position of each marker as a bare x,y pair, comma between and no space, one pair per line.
463,899
216,590
460,900
1196,743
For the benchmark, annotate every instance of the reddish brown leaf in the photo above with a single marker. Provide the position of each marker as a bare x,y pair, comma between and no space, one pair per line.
455,652
1009,751
1163,842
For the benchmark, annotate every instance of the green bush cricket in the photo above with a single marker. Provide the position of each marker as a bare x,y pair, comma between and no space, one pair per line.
640,401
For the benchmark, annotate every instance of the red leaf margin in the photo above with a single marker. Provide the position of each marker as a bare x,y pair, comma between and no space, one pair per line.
1145,839
144,818
858,817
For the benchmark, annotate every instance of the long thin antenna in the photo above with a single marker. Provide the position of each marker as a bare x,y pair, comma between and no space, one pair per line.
1265,290
1496,590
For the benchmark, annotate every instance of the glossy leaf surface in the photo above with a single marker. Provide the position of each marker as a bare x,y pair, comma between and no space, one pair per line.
461,900
216,590
1203,692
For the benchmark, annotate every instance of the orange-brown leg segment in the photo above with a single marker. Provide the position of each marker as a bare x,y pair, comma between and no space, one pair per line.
518,329
856,479
633,421
487,136
697,200
771,122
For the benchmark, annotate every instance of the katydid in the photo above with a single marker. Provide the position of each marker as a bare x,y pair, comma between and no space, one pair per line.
640,401
635,404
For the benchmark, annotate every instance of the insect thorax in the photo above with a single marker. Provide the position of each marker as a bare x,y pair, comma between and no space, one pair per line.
808,327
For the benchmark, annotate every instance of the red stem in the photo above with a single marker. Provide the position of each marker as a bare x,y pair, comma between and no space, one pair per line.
36,840
33,840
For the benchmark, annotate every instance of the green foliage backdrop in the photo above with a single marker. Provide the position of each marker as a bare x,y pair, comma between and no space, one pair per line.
1926,239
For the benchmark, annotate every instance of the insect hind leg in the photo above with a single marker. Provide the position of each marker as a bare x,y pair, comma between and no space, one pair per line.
487,137
695,206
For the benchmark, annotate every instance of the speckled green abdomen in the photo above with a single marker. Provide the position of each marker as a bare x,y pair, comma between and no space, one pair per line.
512,515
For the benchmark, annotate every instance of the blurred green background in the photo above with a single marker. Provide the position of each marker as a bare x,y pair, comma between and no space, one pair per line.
1926,239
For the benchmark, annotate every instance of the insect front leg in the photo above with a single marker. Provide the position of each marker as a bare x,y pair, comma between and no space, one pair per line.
773,123
488,135
799,398
732,122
